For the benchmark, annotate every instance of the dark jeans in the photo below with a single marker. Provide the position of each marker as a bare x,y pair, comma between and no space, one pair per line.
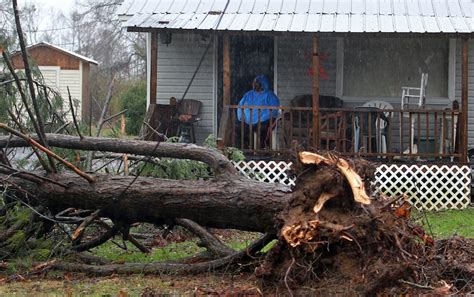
245,132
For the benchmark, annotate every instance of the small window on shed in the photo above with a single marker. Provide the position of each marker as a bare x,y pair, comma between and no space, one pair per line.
379,67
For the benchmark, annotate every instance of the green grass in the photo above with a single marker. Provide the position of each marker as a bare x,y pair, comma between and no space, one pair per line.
171,252
449,222
113,285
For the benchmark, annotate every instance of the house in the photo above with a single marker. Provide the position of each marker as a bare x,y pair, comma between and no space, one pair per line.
366,50
326,59
60,69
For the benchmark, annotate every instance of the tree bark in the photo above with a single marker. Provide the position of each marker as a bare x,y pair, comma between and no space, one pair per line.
232,203
212,157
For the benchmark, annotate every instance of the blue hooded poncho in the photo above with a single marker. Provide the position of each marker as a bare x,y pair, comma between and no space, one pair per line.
265,97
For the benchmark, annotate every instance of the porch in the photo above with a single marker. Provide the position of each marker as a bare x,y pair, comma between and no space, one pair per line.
352,51
370,132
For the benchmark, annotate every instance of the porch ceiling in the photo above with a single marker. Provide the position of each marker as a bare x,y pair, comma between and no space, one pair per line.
342,16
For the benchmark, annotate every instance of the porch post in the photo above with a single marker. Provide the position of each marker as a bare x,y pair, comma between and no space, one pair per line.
315,90
226,70
464,99
225,126
154,67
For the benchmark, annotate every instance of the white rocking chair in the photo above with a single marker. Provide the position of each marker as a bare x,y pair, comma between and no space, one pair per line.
413,98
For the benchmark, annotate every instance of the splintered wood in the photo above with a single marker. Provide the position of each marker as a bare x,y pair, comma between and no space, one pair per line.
304,231
354,180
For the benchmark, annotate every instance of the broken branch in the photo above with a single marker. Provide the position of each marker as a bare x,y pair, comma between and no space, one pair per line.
33,142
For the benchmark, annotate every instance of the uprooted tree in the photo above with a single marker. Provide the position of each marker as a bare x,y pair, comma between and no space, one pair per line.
330,230
327,227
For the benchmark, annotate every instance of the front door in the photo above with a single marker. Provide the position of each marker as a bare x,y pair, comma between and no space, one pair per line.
250,56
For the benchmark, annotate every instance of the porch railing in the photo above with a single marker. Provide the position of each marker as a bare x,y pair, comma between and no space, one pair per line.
366,132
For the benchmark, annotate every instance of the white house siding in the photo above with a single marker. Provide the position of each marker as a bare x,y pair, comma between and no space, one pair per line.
177,63
294,62
470,128
71,79
59,80
50,76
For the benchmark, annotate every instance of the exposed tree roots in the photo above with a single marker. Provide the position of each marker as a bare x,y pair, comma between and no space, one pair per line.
344,244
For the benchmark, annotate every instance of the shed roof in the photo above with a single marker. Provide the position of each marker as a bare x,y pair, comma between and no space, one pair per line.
46,44
385,16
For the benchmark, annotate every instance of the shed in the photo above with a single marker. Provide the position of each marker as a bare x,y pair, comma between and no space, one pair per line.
61,69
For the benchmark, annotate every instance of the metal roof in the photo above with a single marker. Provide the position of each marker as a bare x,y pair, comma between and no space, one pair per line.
81,57
390,16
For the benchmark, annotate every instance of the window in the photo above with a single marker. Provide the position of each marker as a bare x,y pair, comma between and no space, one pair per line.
379,67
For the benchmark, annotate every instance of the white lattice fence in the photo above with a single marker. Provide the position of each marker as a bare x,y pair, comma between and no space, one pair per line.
431,187
266,171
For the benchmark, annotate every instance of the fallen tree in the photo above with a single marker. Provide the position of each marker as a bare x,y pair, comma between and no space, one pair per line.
228,200
329,228
331,233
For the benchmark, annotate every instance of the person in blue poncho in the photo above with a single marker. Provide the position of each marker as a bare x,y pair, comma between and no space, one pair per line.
260,95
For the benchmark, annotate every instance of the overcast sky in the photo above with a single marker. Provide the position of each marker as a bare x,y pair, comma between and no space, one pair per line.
63,5
47,9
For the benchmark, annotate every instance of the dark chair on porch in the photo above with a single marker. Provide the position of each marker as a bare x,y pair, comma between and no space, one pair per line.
187,116
332,129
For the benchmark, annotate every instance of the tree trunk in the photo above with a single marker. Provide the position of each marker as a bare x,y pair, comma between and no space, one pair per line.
234,202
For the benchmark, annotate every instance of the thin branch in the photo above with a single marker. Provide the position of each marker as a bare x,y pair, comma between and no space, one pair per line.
108,97
39,119
416,285
137,244
208,240
162,268
34,143
97,241
165,138
287,274
74,114
80,230
115,115
56,131
100,123
7,82
25,103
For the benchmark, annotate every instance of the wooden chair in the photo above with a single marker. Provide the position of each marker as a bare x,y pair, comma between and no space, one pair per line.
332,129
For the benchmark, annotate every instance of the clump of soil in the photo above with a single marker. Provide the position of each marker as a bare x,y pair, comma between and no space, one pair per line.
346,246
